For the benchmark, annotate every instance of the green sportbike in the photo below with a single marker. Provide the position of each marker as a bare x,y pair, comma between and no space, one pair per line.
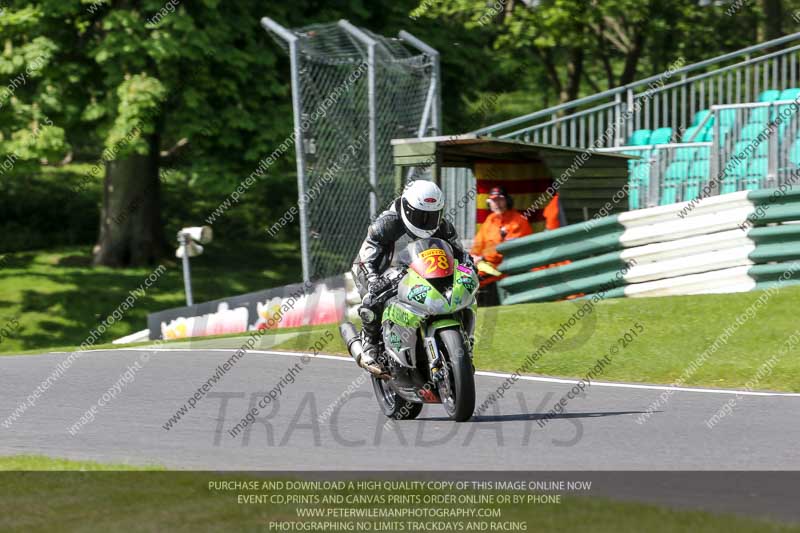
428,325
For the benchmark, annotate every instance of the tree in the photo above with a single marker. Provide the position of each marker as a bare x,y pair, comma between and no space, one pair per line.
137,82
28,133
772,24
131,85
588,46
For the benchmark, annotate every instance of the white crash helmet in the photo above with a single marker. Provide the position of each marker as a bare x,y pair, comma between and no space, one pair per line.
421,208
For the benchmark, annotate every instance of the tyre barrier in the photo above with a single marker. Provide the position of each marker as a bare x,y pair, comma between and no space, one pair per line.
729,243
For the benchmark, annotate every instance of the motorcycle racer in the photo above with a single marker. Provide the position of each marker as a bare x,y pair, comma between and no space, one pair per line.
417,213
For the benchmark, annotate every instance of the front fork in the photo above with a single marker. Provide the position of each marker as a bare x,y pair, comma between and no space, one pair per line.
434,358
435,362
428,333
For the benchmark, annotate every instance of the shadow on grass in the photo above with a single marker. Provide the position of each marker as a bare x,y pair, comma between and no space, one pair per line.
84,297
76,260
17,260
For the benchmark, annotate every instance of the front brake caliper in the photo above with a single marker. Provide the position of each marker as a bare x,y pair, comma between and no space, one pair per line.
434,358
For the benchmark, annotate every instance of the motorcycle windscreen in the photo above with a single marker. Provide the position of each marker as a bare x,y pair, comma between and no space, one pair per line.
431,258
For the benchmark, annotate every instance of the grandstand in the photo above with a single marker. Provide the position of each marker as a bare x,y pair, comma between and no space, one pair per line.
718,126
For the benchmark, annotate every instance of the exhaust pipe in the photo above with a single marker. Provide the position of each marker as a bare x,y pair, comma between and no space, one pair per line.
352,339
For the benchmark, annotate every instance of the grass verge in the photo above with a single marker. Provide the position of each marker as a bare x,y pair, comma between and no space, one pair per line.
40,463
45,294
675,331
57,298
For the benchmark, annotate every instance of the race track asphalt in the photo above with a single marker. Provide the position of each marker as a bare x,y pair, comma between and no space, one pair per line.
599,431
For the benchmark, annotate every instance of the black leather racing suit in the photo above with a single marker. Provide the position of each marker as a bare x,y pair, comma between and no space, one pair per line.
375,256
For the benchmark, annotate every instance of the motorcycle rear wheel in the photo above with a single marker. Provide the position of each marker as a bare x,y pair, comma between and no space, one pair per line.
392,405
459,374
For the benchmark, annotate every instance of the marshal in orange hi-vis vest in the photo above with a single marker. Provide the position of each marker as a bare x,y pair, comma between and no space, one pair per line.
525,183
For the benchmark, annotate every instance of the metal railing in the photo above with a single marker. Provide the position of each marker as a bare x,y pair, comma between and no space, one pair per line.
735,147
672,98
757,145
651,181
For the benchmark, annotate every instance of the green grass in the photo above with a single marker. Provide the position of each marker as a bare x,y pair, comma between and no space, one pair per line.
57,298
88,501
677,329
39,463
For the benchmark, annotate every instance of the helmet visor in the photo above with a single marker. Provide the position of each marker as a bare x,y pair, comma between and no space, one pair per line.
424,220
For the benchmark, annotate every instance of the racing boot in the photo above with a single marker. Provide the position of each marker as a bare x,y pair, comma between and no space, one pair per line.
369,358
370,344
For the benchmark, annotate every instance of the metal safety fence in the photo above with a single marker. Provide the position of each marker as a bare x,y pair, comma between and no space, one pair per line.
352,92
736,147
672,98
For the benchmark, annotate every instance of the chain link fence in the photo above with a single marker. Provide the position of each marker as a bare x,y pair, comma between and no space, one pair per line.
353,91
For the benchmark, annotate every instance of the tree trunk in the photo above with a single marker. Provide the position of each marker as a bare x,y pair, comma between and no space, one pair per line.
771,27
551,70
632,58
130,218
574,73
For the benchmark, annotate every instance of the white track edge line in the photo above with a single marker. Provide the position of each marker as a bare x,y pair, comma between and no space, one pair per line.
491,374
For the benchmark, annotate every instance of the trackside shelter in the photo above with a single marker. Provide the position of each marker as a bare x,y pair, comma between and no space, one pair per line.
590,182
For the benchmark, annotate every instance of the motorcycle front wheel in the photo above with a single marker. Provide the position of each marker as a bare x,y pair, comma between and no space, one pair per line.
392,405
458,395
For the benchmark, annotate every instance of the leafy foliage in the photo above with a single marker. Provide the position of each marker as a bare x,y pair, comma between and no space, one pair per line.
558,50
79,78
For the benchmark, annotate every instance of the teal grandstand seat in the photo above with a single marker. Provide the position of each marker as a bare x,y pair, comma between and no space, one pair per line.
735,174
643,155
634,190
728,185
700,115
756,173
677,171
794,153
751,183
690,131
723,131
758,165
661,136
641,173
727,117
631,162
788,112
669,192
685,154
789,94
788,125
752,131
639,138
674,179
735,171
759,115
769,95
758,150
700,169
698,174
691,190
639,180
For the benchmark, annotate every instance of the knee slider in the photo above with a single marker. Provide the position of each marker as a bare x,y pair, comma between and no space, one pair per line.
367,315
